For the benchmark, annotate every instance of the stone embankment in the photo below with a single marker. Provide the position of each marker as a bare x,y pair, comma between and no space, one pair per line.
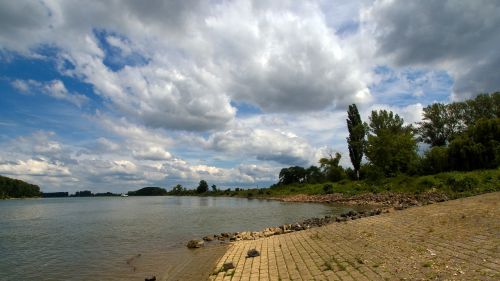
387,201
453,240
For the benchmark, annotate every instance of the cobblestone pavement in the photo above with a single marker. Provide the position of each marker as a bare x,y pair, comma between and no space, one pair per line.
453,240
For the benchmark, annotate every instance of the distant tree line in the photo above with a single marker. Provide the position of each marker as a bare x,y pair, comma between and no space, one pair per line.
462,136
148,191
14,188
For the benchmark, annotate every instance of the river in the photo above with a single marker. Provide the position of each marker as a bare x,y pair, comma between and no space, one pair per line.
93,238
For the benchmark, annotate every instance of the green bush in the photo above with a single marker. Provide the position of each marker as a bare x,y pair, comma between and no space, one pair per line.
462,185
328,188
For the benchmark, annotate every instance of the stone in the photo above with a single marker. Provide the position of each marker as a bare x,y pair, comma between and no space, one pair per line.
150,278
193,244
228,265
252,253
208,238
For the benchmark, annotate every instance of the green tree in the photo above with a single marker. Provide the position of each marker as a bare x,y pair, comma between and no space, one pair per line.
291,175
178,189
202,187
478,147
356,138
331,168
314,175
391,145
434,128
214,188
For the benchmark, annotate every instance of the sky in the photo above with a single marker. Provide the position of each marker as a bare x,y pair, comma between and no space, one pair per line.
117,95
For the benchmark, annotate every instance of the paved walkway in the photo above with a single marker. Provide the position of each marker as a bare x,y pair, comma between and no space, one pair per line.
453,240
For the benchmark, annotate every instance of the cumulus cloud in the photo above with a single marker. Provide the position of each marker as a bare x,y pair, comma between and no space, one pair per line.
457,36
276,56
154,153
34,167
54,89
268,145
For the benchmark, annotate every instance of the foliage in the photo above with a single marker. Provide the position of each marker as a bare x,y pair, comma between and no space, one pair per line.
331,169
356,138
202,187
455,184
435,128
391,146
14,188
442,123
148,191
435,160
84,193
293,174
477,148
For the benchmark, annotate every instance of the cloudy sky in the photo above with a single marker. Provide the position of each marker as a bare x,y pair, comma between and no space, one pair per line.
116,95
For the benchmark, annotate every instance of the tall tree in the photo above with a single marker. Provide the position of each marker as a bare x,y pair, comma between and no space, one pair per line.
434,128
391,145
331,168
202,187
356,138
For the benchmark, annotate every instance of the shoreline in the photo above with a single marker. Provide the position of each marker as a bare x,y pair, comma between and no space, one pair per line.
376,204
422,241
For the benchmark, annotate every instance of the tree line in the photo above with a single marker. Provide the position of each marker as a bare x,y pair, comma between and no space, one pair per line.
461,136
14,188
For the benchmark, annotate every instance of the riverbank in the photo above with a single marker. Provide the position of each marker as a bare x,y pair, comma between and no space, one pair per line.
457,239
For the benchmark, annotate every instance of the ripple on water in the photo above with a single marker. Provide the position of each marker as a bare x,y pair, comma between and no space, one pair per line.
92,238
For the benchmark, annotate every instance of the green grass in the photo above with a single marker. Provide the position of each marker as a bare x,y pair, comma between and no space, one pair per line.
454,184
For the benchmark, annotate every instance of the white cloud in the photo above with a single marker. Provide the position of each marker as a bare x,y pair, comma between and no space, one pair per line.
34,167
54,89
154,153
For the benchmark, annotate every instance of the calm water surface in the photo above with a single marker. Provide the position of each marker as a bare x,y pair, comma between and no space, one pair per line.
92,238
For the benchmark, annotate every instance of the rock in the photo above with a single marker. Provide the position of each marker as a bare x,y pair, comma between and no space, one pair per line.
195,244
208,238
297,227
150,278
228,265
252,253
225,234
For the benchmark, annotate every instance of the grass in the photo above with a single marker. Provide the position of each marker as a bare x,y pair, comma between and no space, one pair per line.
454,184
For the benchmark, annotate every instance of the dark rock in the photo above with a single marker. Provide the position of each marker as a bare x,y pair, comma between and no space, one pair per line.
225,234
208,238
228,265
150,278
195,244
252,253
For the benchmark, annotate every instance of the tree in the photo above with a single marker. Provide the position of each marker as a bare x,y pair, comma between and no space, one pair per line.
356,139
202,187
391,145
214,188
331,168
435,129
478,147
291,175
178,189
314,175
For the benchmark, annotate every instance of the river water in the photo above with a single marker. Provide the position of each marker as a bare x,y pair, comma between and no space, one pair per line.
93,238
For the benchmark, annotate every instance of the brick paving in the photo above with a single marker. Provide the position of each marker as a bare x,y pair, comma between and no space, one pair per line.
453,240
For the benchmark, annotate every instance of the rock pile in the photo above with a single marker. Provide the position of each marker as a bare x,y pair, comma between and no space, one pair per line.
398,201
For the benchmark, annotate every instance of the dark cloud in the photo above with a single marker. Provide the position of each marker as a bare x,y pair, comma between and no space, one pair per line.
458,36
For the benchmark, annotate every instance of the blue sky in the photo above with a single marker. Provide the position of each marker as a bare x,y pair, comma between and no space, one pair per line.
113,96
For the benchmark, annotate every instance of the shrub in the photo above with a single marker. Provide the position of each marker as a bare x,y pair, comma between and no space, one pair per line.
328,188
462,185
